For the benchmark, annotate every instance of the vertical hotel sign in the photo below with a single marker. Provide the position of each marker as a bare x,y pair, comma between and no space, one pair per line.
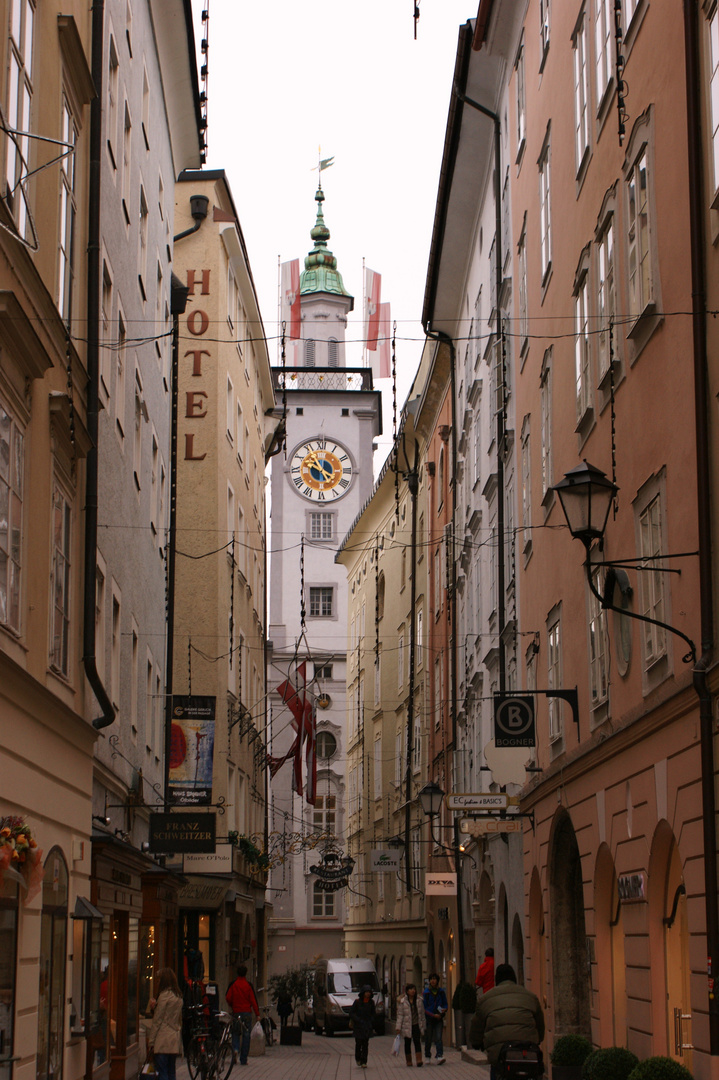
192,746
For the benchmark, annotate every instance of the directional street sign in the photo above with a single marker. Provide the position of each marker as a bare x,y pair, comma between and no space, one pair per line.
481,800
486,826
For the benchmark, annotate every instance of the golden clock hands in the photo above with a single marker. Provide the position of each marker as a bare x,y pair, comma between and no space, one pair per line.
319,465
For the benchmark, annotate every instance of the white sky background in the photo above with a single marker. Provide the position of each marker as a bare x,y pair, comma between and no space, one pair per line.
287,76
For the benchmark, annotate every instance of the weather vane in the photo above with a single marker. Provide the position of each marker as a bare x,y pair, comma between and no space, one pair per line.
322,163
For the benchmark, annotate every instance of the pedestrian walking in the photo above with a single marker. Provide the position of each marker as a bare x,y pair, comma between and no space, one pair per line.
241,998
435,1007
362,1016
411,1023
485,975
165,1038
508,1013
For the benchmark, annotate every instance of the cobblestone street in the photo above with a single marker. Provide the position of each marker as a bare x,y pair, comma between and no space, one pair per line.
320,1058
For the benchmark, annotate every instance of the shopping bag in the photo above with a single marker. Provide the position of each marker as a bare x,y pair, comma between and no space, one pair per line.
396,1044
257,1032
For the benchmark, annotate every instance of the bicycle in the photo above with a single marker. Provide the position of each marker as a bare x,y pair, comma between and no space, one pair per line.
209,1052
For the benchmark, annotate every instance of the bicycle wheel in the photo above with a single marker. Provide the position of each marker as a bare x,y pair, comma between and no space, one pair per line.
193,1057
223,1059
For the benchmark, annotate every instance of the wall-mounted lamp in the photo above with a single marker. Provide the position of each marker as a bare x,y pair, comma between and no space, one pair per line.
103,819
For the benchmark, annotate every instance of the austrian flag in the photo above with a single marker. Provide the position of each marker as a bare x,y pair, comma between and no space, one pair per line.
290,293
373,292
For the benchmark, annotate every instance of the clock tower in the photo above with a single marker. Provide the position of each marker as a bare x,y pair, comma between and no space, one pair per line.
318,488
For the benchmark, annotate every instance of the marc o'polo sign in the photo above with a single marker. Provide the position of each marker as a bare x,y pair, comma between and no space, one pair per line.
173,834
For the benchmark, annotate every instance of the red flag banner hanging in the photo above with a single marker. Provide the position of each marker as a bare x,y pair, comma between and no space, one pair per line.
311,753
373,292
382,361
290,292
274,764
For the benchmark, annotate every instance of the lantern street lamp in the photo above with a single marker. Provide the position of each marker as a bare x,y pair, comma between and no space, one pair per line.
586,495
430,798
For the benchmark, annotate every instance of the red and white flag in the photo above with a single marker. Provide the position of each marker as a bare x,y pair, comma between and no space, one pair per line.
382,360
293,694
290,292
311,752
373,292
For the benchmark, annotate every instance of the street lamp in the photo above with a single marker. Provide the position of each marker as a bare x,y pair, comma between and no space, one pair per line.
586,495
430,798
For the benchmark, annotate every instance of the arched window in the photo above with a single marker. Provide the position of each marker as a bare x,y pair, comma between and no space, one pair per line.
310,352
332,352
53,959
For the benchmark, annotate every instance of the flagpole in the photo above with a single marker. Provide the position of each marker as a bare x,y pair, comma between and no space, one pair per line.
279,309
364,312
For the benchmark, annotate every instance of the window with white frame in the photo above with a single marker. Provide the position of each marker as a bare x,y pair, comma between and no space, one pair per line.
134,677
652,580
603,46
545,211
598,650
18,106
400,662
526,482
137,442
523,306
521,100
420,637
543,31
417,739
509,537
545,395
416,860
61,582
321,525
554,675
713,27
378,678
115,645
230,514
230,410
113,102
144,217
354,803
321,601
332,352
582,372
154,481
12,463
398,741
378,767
68,210
581,91
324,814
125,177
309,352
494,558
120,368
145,107
606,298
639,234
323,902
239,436
106,320
149,700
437,691
437,582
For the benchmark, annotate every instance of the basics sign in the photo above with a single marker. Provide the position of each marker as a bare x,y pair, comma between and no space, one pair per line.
173,834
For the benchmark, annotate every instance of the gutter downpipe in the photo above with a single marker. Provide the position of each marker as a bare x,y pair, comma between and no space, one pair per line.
89,658
697,222
412,478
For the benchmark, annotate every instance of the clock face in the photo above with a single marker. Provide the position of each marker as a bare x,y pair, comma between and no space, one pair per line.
321,470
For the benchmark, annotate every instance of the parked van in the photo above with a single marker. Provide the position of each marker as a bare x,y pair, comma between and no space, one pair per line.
337,986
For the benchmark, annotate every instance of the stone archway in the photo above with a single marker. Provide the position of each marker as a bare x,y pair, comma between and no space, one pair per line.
570,981
516,954
431,961
537,940
609,969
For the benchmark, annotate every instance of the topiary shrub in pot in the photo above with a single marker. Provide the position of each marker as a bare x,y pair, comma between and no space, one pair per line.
568,1056
610,1063
659,1068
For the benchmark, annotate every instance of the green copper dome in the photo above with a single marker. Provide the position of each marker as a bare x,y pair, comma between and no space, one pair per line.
320,274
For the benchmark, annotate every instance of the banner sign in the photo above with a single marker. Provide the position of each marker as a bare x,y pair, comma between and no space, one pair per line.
192,751
382,860
440,884
514,720
632,887
486,826
182,833
333,872
481,800
219,862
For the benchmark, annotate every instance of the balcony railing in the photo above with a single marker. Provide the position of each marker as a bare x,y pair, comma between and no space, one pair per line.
302,378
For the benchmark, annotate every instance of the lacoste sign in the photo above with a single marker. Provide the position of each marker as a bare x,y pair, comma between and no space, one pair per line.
384,860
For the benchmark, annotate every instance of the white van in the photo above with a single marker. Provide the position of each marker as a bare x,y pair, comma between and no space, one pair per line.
337,986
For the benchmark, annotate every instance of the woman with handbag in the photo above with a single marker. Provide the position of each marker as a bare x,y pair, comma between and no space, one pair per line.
165,1038
411,1023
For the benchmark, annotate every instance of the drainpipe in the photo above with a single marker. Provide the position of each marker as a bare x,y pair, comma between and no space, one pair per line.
89,657
412,478
198,209
701,397
441,336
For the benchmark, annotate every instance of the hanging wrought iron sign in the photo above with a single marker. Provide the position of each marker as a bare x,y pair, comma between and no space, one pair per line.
333,871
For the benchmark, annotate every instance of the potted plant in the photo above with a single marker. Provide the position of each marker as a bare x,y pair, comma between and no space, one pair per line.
610,1063
568,1056
659,1068
464,1002
290,987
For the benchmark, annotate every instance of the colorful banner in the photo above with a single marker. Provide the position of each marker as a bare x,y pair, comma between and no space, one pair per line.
192,746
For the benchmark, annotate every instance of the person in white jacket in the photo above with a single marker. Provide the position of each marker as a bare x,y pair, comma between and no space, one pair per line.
165,1038
411,1022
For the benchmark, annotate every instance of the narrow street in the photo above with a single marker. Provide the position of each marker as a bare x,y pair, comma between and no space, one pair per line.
320,1058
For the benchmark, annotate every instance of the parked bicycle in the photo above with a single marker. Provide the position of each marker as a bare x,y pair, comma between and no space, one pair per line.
209,1052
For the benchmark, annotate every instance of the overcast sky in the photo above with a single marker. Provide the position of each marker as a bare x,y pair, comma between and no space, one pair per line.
288,76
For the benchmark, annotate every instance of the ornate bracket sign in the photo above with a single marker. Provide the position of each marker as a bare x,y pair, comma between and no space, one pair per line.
173,834
333,871
514,720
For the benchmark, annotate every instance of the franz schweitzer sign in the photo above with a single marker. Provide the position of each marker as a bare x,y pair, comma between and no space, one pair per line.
173,834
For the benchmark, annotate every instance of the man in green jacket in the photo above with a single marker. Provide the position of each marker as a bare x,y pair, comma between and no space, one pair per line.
508,1013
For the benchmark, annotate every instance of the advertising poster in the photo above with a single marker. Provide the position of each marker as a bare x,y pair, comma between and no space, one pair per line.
192,746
